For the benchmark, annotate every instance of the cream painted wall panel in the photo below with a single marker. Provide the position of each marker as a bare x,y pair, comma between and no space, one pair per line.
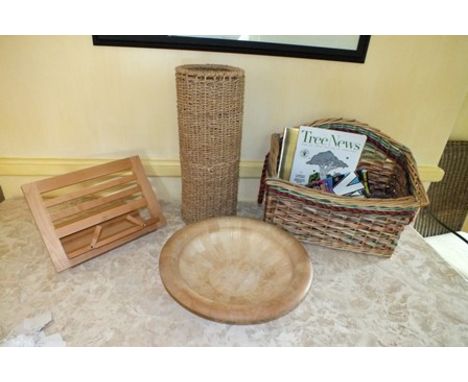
73,99
63,97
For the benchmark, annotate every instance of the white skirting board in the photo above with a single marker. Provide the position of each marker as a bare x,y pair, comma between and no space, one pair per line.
453,250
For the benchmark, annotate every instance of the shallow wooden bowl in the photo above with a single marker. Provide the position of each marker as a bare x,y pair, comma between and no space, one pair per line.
235,270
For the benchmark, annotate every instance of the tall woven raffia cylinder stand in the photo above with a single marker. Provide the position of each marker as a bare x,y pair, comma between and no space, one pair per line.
210,100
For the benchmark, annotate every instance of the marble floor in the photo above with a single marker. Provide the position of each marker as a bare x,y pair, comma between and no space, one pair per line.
117,299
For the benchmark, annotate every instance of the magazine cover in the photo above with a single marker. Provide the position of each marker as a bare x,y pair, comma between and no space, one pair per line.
321,152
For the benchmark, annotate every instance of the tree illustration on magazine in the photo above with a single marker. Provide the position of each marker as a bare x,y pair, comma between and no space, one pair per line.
326,161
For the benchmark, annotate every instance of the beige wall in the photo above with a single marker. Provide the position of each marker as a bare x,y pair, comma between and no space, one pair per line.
62,97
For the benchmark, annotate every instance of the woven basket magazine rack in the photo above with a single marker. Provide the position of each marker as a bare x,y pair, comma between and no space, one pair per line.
371,226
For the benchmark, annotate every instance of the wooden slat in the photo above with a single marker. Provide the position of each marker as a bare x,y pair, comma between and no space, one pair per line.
96,234
109,239
135,220
82,175
100,218
153,204
85,206
89,254
83,238
89,190
119,235
45,226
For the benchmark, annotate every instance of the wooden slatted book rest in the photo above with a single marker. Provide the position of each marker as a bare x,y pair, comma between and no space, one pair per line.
87,212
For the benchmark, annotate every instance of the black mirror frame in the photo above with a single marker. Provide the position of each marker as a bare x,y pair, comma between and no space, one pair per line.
235,46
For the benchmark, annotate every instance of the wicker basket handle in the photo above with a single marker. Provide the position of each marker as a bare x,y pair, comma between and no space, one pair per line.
366,129
401,150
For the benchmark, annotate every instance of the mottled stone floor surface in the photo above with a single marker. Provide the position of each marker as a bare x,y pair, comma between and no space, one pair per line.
117,299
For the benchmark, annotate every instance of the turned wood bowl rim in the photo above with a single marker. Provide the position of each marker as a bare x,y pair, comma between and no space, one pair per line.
230,313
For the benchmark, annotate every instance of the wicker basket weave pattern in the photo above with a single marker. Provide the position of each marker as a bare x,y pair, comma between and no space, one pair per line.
371,226
210,109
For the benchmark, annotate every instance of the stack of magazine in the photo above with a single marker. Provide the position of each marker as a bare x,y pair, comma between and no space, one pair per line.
324,159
